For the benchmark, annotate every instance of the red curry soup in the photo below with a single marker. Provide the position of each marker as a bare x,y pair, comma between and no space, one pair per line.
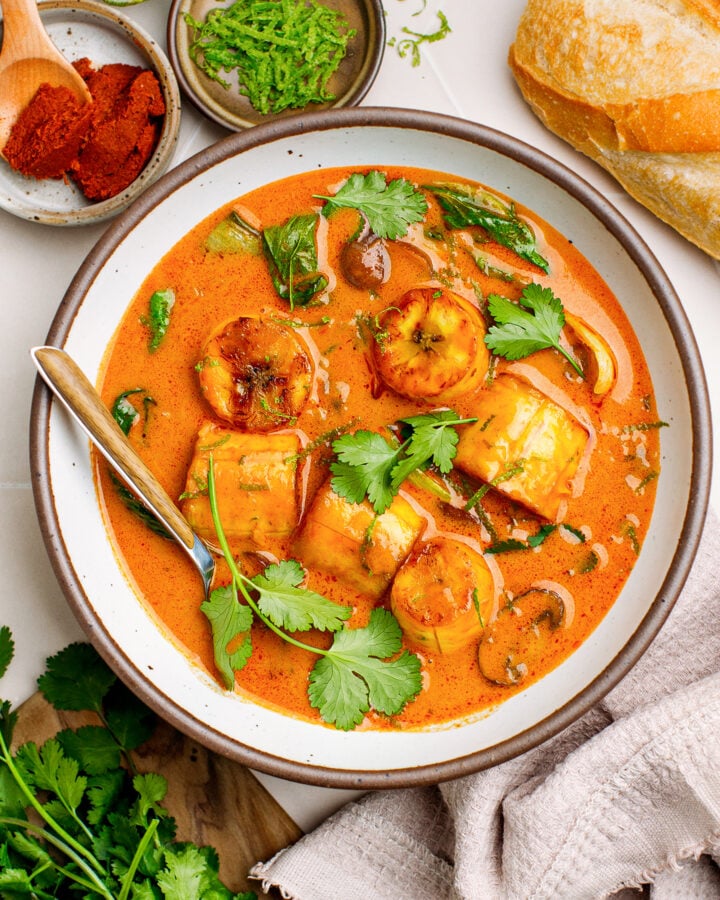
414,424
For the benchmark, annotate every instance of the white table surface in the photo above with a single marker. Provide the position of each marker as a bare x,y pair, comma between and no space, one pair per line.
463,75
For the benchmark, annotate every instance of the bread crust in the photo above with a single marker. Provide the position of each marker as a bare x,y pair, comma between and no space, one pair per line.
635,85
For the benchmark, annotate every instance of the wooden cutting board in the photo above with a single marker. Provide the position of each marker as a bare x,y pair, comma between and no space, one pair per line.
215,801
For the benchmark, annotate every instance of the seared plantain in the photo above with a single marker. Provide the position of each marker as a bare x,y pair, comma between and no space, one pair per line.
256,373
430,347
443,596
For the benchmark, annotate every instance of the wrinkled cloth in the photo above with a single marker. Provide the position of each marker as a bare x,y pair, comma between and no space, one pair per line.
625,801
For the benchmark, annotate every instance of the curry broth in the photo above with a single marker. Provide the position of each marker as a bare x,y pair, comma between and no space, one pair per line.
612,512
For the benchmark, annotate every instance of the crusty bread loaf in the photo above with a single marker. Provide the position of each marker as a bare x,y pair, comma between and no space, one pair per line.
635,85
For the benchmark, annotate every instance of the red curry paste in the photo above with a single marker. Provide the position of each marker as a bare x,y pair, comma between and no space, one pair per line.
102,145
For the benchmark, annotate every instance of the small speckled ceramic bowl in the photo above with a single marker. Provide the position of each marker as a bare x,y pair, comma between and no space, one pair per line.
83,28
230,108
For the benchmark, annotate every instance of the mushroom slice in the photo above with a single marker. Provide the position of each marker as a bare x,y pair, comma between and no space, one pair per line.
443,595
514,645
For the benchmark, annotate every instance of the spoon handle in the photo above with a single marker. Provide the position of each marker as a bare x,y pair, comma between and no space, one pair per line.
70,385
24,34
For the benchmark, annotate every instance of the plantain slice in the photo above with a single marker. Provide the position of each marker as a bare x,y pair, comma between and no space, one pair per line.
443,595
256,374
430,346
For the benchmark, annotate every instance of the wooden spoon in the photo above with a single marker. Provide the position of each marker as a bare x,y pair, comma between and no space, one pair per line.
28,59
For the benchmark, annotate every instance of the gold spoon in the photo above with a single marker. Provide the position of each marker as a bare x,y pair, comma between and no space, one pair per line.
70,385
28,59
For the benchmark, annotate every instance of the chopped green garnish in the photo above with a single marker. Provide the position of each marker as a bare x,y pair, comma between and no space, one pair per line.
532,324
388,208
411,45
369,466
355,674
158,318
284,52
465,206
292,256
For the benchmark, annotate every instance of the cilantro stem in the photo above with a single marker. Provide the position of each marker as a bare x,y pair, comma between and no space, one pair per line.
77,847
94,883
127,881
239,579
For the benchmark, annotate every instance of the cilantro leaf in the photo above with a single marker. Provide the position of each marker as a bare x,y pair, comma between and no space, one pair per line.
433,439
519,332
293,607
7,649
76,679
230,623
352,676
364,468
48,769
368,466
92,747
388,208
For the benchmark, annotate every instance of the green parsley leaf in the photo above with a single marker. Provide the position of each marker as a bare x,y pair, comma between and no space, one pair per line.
7,649
292,257
48,769
364,469
230,623
388,208
519,332
76,679
368,466
292,607
92,747
433,439
352,676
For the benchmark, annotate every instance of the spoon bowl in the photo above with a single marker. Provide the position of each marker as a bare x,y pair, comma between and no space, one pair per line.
28,59
70,385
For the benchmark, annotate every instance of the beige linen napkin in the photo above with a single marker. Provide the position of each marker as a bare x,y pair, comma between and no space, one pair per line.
627,795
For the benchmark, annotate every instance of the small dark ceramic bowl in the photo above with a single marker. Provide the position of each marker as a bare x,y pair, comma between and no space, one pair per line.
228,107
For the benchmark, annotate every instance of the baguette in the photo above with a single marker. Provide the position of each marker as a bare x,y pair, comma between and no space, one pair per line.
634,85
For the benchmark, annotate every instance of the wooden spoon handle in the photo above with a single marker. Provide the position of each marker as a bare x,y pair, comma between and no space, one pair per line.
24,35
71,386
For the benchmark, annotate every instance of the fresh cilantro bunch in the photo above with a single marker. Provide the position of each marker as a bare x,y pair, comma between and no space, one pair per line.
388,207
532,324
360,671
370,466
76,818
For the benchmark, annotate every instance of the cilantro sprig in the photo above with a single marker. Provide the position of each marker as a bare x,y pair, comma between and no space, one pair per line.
369,466
532,324
76,818
388,207
360,671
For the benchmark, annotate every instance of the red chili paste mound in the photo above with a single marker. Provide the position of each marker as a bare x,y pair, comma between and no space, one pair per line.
102,145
